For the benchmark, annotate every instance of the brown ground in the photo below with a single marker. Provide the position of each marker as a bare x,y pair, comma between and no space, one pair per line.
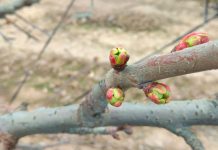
78,57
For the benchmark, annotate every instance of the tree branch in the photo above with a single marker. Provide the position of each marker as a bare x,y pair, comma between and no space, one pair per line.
198,58
202,24
10,6
188,136
92,112
65,120
27,73
206,5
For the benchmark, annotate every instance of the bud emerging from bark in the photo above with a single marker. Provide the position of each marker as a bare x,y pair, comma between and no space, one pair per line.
191,39
159,93
115,96
118,58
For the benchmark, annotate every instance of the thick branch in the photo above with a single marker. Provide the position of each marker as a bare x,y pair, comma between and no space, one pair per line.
195,59
10,6
92,111
65,120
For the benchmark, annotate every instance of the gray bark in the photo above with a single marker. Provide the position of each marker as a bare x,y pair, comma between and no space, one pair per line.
198,58
64,119
176,116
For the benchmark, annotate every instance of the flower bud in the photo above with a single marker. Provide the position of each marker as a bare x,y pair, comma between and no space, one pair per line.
118,58
159,93
192,39
115,96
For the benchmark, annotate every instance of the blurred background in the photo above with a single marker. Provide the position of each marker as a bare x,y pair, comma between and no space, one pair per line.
77,58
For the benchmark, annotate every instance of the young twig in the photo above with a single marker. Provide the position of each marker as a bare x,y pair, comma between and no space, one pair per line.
26,75
179,37
84,72
113,131
206,5
31,24
6,39
29,35
77,98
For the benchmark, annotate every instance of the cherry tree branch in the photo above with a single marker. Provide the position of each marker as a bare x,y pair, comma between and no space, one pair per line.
93,113
10,6
198,58
188,136
65,120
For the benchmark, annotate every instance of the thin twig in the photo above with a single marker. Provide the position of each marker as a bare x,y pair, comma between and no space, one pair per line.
217,7
84,72
31,24
6,39
206,5
23,81
26,75
113,131
21,29
55,29
77,98
179,37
